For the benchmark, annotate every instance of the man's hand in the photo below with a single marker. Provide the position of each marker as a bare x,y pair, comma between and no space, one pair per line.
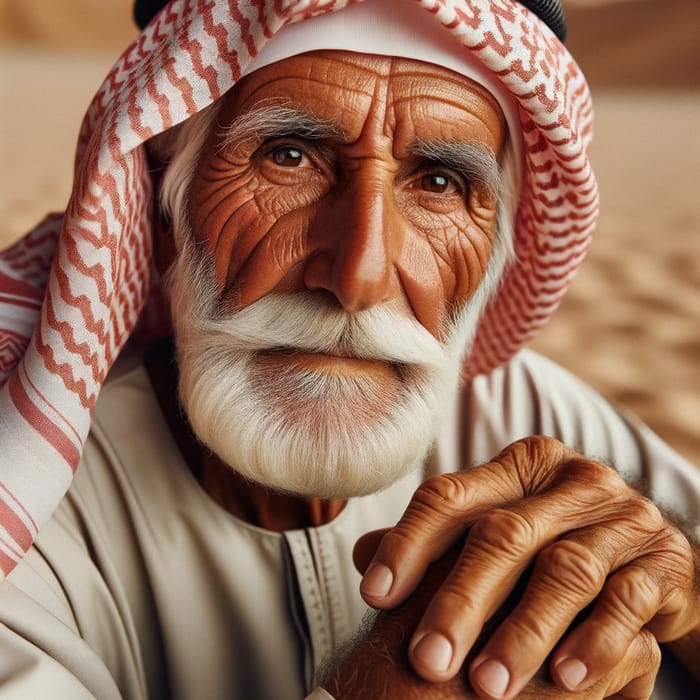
377,667
591,541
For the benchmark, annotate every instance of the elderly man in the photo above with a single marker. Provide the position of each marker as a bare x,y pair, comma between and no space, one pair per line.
362,212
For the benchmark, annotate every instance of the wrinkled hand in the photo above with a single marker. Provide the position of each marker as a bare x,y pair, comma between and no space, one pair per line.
591,541
377,667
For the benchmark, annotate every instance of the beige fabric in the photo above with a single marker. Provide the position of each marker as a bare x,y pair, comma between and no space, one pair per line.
142,587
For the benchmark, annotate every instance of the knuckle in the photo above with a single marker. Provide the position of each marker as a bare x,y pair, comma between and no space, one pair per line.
631,597
653,647
649,652
570,566
532,460
635,673
540,449
638,666
454,597
544,444
528,630
671,557
501,531
442,493
394,543
675,566
644,513
679,545
598,474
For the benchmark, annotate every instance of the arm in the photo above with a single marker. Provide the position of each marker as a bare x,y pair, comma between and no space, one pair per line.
28,673
61,624
41,653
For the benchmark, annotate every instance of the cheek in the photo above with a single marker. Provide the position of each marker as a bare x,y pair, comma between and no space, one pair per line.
222,213
267,260
215,194
468,243
443,263
469,250
255,229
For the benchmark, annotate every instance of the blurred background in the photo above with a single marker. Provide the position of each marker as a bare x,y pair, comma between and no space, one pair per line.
630,325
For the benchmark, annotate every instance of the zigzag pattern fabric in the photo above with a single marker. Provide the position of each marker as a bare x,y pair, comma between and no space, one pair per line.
72,291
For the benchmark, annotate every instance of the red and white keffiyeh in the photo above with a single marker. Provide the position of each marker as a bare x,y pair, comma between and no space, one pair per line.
72,291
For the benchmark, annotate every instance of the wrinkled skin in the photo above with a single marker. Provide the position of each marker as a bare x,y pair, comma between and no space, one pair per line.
379,669
590,539
360,216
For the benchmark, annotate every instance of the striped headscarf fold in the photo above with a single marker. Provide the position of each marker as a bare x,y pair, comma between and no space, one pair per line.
73,290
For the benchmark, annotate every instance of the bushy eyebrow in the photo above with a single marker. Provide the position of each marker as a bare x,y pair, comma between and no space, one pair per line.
263,123
470,159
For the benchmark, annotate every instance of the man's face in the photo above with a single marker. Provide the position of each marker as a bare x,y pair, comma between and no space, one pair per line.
355,183
357,213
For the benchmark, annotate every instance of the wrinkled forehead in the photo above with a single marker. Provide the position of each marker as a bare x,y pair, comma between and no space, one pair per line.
347,95
391,28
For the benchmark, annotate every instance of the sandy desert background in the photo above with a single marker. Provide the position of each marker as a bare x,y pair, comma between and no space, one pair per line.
630,325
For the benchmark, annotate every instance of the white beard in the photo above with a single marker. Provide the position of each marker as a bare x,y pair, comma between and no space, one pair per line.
299,431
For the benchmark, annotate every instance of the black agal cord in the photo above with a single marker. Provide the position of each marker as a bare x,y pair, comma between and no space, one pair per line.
549,11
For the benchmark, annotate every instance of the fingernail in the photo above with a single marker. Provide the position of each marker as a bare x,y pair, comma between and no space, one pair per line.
434,651
572,672
492,676
377,581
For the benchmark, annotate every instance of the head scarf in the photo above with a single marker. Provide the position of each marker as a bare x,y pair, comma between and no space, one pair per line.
72,291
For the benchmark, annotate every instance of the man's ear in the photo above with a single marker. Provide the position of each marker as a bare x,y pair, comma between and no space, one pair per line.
164,251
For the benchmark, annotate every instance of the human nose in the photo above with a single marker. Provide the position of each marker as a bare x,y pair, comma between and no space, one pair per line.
357,234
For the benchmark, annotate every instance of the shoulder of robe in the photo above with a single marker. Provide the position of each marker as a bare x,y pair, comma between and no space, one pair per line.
532,395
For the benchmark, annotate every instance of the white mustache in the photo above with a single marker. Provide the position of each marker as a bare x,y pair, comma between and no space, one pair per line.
308,322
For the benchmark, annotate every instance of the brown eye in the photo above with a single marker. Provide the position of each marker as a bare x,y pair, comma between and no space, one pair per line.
436,183
287,156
